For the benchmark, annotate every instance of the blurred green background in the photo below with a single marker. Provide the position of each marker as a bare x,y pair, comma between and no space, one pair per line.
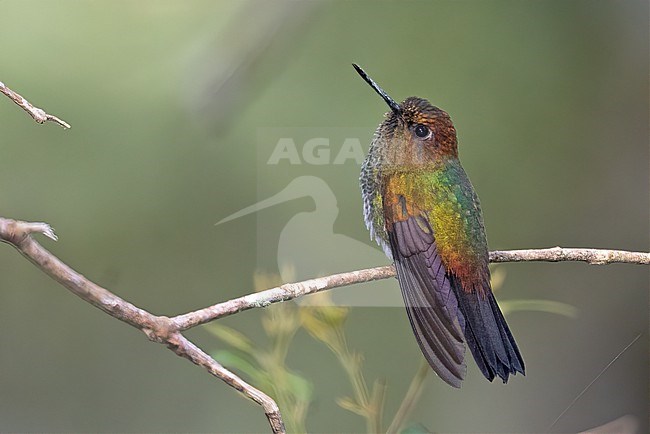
166,100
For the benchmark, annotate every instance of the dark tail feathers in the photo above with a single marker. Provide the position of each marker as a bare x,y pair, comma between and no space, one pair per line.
487,334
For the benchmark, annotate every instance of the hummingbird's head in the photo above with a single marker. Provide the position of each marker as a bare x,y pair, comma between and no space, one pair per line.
415,132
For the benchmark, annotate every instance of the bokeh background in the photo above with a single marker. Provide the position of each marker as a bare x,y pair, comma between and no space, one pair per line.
167,100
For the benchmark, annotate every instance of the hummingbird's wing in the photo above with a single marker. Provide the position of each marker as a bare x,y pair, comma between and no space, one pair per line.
430,301
442,311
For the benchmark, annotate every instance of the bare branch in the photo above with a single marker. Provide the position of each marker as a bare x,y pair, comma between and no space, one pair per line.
157,328
290,291
285,292
166,330
18,234
186,349
558,254
38,114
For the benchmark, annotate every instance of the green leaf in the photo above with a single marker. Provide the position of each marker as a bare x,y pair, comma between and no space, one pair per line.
415,429
231,337
301,387
498,277
548,306
232,360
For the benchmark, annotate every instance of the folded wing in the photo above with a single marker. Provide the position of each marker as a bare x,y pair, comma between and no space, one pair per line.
430,301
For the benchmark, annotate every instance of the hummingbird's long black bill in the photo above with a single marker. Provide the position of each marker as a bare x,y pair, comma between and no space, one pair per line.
390,101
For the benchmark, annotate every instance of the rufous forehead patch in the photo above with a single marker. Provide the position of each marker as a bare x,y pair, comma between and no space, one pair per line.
419,110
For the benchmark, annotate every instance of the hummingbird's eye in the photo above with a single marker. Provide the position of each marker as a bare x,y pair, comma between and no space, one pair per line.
422,131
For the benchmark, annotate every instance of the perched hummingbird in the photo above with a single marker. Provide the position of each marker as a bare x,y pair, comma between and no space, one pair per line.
421,208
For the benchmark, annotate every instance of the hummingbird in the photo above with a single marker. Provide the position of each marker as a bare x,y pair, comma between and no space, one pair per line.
422,210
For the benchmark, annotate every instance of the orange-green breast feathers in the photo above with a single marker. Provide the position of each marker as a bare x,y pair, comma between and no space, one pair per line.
443,195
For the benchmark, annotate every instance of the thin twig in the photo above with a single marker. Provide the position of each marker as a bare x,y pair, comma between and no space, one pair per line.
186,349
157,328
559,254
411,397
38,114
18,234
285,292
289,291
591,383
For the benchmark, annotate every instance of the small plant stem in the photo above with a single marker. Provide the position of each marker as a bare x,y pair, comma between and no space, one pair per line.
281,341
412,395
377,405
351,364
